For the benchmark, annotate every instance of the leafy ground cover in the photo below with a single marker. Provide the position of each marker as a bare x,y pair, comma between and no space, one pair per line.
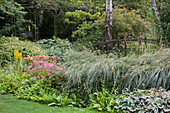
86,80
9,104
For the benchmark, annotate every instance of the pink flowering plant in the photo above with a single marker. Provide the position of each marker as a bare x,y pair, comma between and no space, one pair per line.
46,68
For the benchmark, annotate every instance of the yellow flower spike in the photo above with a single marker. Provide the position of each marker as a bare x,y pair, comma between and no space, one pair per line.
15,52
20,56
17,55
16,58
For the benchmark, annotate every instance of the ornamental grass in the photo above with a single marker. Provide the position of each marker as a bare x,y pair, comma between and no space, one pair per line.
87,70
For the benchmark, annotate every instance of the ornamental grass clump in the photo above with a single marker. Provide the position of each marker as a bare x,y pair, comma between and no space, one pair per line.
131,72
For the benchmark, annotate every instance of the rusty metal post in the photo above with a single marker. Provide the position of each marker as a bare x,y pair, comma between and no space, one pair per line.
139,45
145,42
118,46
125,49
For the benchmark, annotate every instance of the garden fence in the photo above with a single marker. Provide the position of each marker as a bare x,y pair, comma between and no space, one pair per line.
123,42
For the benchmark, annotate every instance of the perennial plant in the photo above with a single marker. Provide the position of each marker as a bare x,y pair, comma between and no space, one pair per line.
45,67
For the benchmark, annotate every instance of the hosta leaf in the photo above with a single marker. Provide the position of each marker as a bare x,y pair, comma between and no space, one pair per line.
150,107
108,108
160,106
59,98
132,110
97,106
159,101
129,108
73,96
166,110
73,103
116,107
162,112
142,111
52,104
99,109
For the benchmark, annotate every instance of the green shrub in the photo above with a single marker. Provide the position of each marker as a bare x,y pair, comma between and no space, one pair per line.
146,71
9,83
103,101
56,46
12,9
9,44
24,86
91,29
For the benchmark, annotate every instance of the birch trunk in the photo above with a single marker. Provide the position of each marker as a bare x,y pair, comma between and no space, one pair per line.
108,22
156,11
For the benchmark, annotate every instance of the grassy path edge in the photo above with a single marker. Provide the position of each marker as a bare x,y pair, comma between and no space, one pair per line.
10,104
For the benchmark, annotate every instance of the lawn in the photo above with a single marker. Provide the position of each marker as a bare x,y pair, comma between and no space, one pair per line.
9,104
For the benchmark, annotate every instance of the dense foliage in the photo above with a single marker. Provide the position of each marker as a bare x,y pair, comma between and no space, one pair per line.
58,72
147,100
9,44
77,19
12,21
89,32
39,90
56,46
89,80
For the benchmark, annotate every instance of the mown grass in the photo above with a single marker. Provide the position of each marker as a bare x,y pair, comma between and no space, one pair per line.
9,104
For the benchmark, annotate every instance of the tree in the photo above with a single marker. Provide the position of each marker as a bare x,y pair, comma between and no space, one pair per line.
12,18
55,8
156,11
108,22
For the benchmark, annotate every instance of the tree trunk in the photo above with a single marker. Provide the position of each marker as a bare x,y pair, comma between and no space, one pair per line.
156,11
108,23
